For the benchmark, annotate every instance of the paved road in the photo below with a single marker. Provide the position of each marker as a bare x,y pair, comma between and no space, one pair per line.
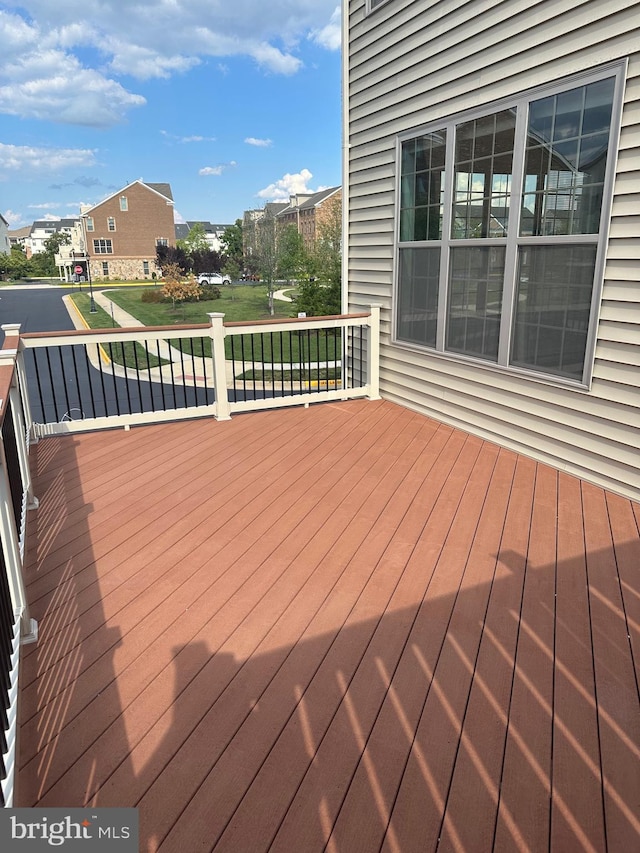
37,308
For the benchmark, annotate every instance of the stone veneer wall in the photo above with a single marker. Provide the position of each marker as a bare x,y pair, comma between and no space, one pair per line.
122,269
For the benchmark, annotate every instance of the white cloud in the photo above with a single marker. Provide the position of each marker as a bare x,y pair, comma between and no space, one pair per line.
194,138
211,170
178,218
62,61
145,63
330,36
40,80
23,157
15,220
217,170
275,60
287,185
259,143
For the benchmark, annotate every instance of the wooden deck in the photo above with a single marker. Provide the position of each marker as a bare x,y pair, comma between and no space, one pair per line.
347,628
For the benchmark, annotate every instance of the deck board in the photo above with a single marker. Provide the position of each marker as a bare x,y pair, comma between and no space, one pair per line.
347,628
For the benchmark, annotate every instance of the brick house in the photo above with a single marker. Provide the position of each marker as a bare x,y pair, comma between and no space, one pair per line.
306,212
122,233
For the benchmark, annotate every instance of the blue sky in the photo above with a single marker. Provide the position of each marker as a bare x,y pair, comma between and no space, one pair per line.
233,102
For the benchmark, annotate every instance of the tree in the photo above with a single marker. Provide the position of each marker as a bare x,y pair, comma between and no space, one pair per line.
232,269
233,243
52,244
15,264
206,260
322,295
266,254
167,255
177,288
292,259
196,240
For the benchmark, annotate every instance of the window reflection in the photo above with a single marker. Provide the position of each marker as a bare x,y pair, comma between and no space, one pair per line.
422,187
566,157
482,177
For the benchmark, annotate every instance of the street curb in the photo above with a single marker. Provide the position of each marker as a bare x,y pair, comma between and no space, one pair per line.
74,313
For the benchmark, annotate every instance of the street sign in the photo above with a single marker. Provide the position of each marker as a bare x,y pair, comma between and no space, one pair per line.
77,269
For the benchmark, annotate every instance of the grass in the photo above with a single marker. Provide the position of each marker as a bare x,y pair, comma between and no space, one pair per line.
124,354
240,303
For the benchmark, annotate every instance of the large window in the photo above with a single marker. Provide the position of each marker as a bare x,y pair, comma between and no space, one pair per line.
103,247
501,229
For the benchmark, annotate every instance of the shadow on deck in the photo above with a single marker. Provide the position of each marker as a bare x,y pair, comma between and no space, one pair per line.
346,628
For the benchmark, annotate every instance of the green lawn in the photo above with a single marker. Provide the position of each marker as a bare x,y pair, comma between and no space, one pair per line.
127,354
240,303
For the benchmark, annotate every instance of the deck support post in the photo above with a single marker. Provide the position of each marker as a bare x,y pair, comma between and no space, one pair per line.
373,354
217,334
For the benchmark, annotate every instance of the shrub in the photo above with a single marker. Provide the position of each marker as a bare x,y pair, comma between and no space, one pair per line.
152,296
209,291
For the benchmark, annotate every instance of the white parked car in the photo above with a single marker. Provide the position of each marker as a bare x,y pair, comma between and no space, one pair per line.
213,278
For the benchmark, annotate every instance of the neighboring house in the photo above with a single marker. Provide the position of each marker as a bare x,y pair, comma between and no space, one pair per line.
523,329
307,212
122,233
5,243
213,233
251,224
18,236
42,229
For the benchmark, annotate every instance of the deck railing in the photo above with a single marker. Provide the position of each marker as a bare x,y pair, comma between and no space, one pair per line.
16,498
90,379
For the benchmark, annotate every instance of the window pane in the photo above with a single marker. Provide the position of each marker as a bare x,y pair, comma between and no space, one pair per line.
422,187
553,303
482,179
568,138
418,295
475,300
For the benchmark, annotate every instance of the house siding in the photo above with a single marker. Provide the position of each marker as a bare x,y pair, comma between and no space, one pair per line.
414,62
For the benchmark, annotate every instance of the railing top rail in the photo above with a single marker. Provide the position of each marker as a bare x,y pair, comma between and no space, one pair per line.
35,339
293,320
139,330
7,365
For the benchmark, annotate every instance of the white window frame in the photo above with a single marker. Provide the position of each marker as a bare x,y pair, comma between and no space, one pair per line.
514,241
90,226
105,268
372,5
124,203
99,249
111,221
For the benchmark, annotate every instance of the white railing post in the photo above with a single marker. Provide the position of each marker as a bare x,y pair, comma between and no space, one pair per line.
9,534
373,354
12,558
20,410
24,395
218,355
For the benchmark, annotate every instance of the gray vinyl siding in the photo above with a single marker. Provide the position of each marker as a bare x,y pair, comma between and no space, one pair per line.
413,62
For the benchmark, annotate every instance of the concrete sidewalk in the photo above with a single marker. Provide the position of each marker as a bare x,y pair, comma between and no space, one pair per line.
181,364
